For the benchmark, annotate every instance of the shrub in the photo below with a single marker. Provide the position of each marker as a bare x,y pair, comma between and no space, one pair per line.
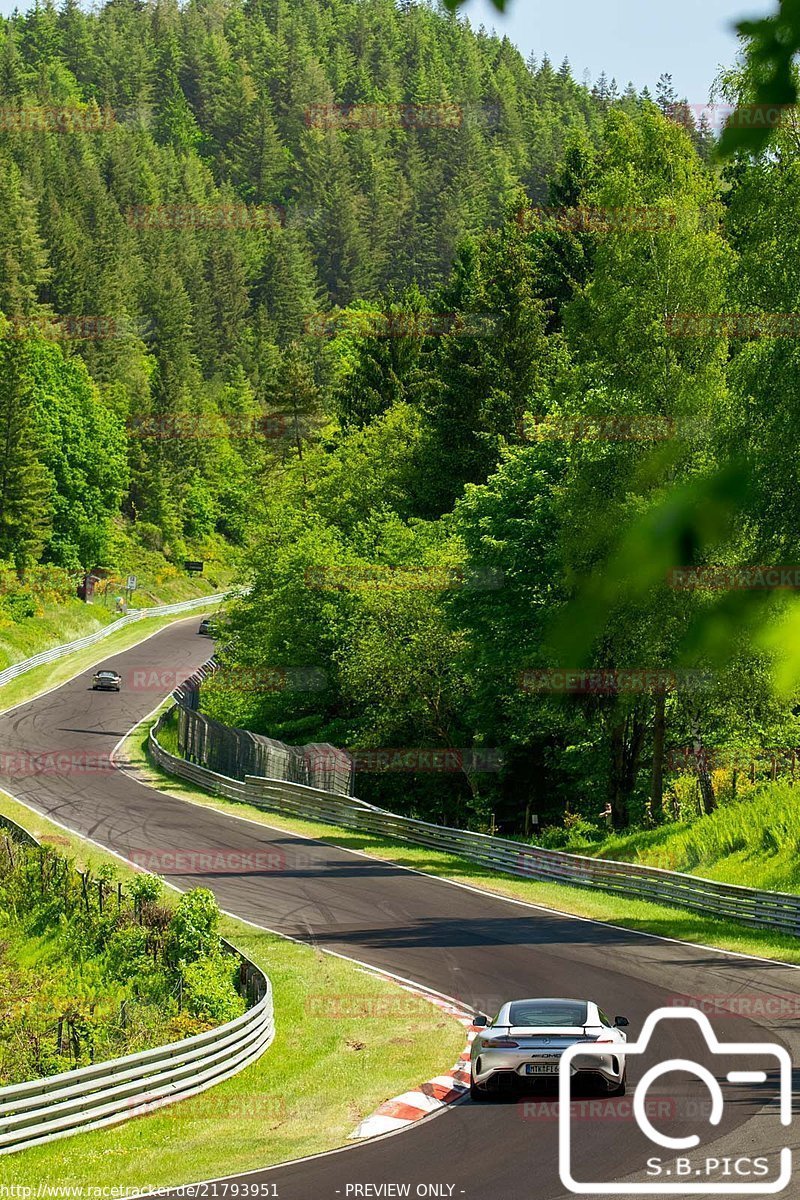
208,988
577,833
193,929
156,917
125,950
682,800
144,890
722,783
110,975
19,606
149,535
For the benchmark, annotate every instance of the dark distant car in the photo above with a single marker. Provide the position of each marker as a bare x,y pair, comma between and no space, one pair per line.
107,681
207,627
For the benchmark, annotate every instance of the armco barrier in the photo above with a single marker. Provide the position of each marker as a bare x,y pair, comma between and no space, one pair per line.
140,614
778,911
57,1106
18,834
237,753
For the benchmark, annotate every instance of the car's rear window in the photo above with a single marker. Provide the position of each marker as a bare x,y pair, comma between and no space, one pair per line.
536,1012
106,674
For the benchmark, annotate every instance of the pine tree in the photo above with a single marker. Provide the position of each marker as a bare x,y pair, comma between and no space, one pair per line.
296,397
600,90
26,504
23,261
666,96
630,96
704,138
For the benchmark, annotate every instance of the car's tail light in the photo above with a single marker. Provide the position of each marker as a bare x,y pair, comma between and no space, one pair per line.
500,1043
605,1042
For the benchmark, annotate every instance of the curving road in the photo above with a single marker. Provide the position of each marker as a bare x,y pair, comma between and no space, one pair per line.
54,755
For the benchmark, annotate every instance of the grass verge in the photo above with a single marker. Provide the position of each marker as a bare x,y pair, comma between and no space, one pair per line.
54,616
53,625
638,915
50,675
754,839
328,1067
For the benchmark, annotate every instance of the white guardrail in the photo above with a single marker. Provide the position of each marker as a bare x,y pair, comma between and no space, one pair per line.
57,1106
778,911
56,652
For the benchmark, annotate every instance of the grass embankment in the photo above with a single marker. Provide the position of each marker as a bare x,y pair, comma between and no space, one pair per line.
341,1048
43,611
50,675
161,581
582,902
93,970
753,841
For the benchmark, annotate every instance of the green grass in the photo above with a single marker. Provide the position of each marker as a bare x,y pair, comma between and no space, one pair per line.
60,623
50,675
55,624
578,901
163,582
168,734
754,841
46,976
326,1070
160,582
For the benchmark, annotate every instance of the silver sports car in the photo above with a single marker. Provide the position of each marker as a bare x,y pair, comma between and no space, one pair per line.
107,681
525,1041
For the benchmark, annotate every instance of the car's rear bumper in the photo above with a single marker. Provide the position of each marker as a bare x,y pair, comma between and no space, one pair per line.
509,1066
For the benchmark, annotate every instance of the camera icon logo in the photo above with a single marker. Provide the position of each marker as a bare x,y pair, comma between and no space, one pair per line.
696,1176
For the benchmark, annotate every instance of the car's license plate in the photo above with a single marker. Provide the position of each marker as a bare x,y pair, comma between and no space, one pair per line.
541,1068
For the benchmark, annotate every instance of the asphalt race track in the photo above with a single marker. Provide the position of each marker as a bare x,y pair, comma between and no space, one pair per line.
479,948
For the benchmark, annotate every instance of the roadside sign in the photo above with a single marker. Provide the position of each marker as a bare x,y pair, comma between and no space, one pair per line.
194,566
131,583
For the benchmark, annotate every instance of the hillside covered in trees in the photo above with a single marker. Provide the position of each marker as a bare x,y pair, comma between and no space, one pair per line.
173,211
434,336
